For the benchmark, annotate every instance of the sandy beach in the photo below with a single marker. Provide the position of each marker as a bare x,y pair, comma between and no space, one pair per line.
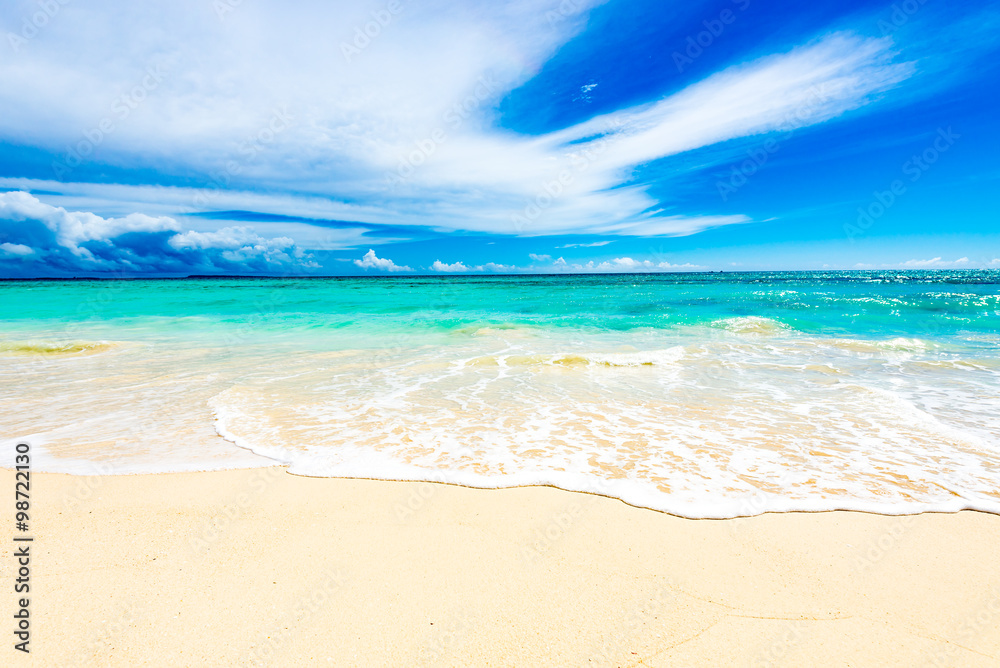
259,567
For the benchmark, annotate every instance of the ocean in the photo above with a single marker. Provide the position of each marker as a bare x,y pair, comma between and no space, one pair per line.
702,395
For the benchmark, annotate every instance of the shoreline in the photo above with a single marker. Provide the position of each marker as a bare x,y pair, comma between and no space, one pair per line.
262,567
961,505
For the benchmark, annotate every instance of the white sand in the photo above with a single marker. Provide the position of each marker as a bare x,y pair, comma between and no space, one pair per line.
129,571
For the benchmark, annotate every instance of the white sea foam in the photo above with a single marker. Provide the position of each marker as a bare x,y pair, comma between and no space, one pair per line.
763,437
622,359
751,324
699,427
898,344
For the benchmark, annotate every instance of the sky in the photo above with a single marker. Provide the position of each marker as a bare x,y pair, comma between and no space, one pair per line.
531,136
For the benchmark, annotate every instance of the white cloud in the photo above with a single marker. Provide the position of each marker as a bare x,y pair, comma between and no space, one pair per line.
441,266
123,199
70,241
489,267
347,126
671,226
687,266
559,265
595,244
539,258
624,265
229,238
808,85
372,261
242,243
585,93
935,262
74,228
493,267
17,249
932,263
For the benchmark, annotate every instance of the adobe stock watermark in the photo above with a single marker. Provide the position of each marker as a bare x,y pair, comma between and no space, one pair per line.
363,35
87,486
759,501
420,493
32,25
561,522
453,118
913,169
121,108
264,308
698,42
215,527
780,646
110,632
305,608
887,541
224,7
107,634
642,620
246,152
741,173
97,302
983,619
555,529
267,306
449,636
900,16
565,10
550,191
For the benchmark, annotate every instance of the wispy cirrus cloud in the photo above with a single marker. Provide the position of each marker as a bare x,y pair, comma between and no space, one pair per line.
934,262
595,244
431,83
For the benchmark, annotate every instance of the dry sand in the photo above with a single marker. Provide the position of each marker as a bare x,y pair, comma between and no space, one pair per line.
258,567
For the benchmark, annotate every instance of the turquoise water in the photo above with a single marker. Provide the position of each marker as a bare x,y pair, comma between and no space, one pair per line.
834,303
707,395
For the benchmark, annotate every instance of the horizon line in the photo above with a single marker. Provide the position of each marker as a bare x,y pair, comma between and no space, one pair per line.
480,275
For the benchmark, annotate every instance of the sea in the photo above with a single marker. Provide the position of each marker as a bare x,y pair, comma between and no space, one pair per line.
709,395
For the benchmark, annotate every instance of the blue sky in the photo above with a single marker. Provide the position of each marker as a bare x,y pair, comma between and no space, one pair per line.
221,136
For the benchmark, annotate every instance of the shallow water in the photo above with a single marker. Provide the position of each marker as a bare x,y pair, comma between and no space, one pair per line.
708,395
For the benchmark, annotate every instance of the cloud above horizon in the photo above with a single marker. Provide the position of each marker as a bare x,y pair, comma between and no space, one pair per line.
543,264
69,242
372,261
932,263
